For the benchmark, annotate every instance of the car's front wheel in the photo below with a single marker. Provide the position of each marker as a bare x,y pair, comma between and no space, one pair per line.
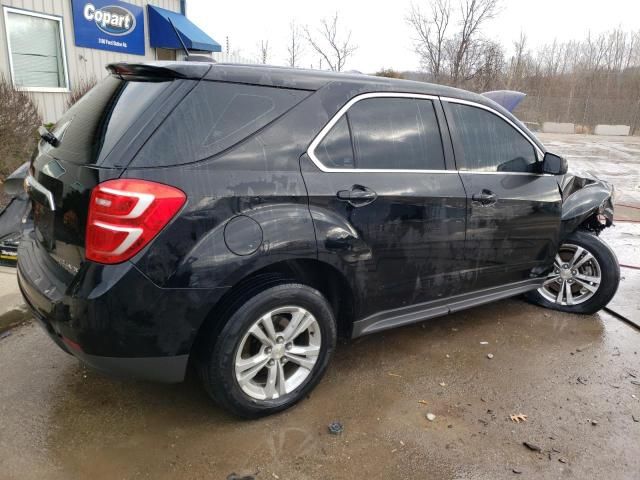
272,351
584,278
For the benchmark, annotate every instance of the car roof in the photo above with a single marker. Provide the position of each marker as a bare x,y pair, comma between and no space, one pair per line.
306,79
315,79
300,78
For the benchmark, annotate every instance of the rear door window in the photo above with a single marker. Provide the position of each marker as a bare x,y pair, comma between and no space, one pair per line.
396,134
387,133
335,150
212,118
487,143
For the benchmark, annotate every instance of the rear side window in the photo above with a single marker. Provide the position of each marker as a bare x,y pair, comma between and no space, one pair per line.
212,118
490,144
396,133
388,133
90,128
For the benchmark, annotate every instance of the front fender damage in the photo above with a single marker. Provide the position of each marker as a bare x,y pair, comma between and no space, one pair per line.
587,202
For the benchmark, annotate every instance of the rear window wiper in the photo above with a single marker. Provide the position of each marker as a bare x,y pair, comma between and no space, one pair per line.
48,137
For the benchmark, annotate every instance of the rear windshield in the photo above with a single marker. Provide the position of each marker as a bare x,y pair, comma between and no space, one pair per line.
89,130
212,118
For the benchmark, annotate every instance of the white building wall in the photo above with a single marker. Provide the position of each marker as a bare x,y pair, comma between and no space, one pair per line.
83,63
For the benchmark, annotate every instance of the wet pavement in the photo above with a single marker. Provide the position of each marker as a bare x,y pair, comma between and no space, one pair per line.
614,159
61,421
576,378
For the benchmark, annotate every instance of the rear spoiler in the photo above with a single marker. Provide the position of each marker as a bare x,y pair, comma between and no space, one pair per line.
508,99
160,70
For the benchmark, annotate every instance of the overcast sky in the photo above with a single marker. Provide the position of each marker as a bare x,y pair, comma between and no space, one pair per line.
381,33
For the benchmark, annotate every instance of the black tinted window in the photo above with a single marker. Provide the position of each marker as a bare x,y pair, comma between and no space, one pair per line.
489,143
212,118
335,150
396,133
90,128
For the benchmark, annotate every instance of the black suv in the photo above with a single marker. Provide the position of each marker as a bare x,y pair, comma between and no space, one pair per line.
239,218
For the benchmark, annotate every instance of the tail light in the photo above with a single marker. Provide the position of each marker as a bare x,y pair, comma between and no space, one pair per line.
125,215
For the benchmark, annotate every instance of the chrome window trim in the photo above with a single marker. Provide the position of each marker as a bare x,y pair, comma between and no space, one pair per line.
325,130
338,115
539,152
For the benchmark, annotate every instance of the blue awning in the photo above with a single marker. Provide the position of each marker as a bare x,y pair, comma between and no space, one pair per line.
163,35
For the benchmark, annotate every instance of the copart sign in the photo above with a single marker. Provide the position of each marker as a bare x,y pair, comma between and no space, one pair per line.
109,25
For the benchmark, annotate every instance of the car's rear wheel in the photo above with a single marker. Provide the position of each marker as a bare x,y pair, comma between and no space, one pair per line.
584,278
272,351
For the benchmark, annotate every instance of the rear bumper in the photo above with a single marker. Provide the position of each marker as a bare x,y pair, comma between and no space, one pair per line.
168,369
154,369
113,318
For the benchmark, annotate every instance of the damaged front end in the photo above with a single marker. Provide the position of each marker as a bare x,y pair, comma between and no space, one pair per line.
587,202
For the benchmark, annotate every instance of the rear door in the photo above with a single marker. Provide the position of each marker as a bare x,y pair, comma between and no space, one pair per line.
384,205
513,213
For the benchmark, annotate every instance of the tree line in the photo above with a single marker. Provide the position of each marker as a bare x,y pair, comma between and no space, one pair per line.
586,82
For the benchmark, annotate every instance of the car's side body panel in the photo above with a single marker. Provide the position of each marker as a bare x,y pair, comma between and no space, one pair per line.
517,236
406,247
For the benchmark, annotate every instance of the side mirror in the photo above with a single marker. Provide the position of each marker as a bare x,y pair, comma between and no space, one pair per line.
14,183
554,164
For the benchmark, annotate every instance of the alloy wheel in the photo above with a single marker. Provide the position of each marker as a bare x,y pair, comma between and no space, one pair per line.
278,353
575,278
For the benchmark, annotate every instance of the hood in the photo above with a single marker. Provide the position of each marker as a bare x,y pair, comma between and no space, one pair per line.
586,201
507,99
578,180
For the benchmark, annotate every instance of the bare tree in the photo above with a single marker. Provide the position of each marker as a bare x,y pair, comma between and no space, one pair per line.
431,31
518,61
331,44
454,51
474,14
263,51
294,49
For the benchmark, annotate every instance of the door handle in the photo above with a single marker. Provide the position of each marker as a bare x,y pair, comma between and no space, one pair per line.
358,196
486,197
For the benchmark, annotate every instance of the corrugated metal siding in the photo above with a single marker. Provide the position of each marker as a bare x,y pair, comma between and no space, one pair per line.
81,62
224,57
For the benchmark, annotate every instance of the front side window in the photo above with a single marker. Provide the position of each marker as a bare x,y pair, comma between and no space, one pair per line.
490,144
35,49
386,133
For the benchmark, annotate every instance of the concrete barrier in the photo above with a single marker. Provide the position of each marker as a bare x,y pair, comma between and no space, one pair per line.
554,127
619,130
533,126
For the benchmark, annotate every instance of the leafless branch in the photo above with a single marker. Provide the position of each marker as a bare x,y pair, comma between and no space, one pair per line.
294,49
331,44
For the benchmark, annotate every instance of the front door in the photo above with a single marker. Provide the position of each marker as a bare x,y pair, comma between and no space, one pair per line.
513,212
385,209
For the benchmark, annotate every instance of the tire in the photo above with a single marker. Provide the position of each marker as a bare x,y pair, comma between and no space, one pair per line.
587,301
235,347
